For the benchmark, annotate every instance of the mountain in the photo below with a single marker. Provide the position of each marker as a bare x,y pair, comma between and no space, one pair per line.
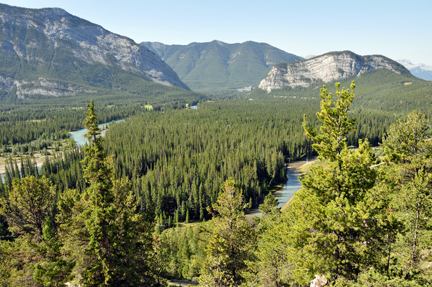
220,67
326,68
381,84
49,52
421,71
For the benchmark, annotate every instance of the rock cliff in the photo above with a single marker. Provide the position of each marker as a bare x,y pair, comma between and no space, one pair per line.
326,68
42,46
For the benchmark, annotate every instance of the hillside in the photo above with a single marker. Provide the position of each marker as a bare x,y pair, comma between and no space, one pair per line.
378,89
220,67
49,52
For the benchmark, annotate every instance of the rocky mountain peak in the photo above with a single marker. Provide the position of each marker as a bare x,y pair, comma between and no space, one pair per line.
51,38
326,68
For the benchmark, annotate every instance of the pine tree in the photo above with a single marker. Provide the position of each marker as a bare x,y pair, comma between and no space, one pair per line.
408,174
53,269
104,222
231,240
271,268
30,201
340,221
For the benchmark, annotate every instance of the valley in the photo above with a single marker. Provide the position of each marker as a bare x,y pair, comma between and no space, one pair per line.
190,170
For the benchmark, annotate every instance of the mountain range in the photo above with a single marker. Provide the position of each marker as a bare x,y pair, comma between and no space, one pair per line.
49,52
220,67
421,71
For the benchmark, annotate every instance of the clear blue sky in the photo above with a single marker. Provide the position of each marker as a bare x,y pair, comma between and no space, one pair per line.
396,29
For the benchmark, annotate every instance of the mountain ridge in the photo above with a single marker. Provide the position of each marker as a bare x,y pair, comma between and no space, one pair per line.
219,66
44,48
326,68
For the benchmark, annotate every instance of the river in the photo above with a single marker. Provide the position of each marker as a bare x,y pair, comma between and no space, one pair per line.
287,191
79,137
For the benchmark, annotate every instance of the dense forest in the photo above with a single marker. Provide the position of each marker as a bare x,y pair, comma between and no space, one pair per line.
163,195
178,159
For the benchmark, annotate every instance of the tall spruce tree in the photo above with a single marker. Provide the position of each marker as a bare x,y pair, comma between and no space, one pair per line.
231,240
104,222
339,221
271,267
408,174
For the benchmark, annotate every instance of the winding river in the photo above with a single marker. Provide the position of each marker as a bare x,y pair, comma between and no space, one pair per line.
79,137
285,194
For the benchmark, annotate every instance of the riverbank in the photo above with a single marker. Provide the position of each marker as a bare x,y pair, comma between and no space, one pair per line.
286,193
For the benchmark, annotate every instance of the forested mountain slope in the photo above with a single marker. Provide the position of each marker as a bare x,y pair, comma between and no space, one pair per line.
380,89
220,67
49,52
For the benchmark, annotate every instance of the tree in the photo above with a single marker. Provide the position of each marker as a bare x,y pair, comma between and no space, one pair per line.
54,269
408,174
271,267
104,221
30,202
231,240
339,220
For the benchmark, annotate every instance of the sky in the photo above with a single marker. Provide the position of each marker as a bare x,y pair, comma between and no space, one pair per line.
396,29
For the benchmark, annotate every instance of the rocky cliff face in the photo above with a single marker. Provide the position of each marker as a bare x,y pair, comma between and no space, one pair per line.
326,68
40,46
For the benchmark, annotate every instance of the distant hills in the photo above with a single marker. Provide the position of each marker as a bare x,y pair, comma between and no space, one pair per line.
421,71
220,67
49,52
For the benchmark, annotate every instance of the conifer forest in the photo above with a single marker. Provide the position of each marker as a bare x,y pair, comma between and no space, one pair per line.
163,196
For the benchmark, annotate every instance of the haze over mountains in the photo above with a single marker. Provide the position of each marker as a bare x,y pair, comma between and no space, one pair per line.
50,52
221,67
421,71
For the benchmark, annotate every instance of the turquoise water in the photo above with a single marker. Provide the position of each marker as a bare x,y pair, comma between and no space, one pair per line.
79,138
284,194
78,135
194,107
292,185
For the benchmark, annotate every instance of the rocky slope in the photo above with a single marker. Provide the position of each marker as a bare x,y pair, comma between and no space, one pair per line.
326,68
51,52
221,67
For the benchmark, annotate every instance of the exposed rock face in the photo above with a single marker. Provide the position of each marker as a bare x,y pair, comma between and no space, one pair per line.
319,281
37,43
45,87
326,68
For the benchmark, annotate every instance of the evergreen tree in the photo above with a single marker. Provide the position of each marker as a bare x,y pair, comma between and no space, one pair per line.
272,267
30,202
103,221
340,222
408,174
231,240
53,269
